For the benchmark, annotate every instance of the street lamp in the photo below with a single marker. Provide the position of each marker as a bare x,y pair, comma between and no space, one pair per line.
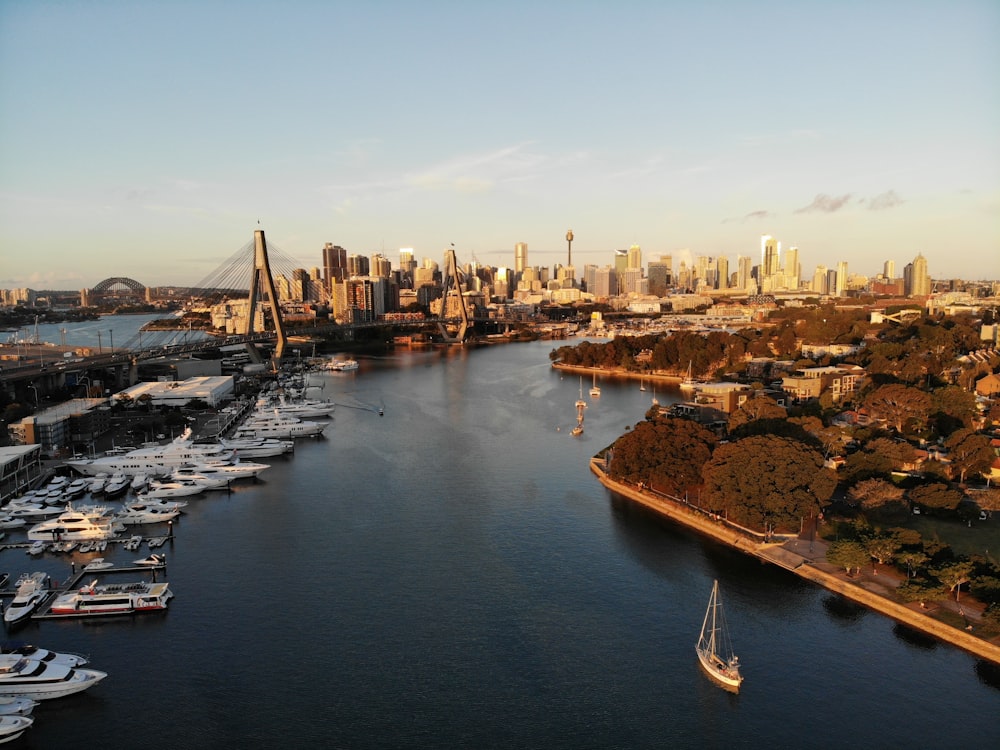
111,333
99,349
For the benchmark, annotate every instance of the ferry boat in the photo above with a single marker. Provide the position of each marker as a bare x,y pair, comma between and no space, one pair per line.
113,599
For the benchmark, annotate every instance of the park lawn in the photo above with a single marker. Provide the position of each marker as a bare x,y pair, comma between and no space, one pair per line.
982,538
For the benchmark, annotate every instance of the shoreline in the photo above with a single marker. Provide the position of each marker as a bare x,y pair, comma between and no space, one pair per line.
618,372
804,560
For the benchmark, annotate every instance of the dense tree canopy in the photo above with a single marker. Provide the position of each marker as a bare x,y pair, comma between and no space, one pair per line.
902,406
970,452
757,406
666,453
765,480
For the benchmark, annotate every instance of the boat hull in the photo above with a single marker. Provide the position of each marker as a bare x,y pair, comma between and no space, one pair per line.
719,672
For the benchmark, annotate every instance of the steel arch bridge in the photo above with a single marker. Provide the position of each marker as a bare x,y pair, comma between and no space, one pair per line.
116,283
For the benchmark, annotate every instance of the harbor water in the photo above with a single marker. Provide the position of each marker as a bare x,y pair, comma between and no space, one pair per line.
450,574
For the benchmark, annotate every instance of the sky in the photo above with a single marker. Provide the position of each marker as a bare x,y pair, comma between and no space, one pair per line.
147,140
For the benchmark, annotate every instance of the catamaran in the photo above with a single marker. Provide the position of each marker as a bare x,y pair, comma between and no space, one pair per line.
715,652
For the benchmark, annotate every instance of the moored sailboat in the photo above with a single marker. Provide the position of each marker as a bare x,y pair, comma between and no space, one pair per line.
715,652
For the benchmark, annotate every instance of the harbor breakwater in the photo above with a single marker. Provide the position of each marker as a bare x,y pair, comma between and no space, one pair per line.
803,558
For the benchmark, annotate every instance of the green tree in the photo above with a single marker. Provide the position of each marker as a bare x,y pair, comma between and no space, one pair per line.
764,481
954,575
847,554
936,495
970,452
874,493
902,406
666,453
754,408
919,590
912,560
882,548
953,407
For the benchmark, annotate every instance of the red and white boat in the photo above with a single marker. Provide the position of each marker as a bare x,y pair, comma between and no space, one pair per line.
113,599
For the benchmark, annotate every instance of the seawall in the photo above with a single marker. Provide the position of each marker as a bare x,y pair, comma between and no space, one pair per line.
804,566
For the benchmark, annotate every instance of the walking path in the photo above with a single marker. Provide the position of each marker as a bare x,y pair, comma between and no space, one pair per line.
807,559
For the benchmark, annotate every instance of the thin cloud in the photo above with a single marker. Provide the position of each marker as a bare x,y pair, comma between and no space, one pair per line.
826,204
754,215
888,199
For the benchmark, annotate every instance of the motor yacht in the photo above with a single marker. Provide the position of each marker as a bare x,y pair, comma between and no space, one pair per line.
12,727
275,425
154,460
75,525
43,654
138,514
175,488
30,592
11,706
21,676
249,447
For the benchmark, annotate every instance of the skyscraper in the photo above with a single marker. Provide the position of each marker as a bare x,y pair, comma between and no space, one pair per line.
770,251
841,289
334,263
793,270
520,257
889,270
920,280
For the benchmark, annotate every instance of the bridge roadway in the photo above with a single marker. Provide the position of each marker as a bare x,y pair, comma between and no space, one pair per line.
47,375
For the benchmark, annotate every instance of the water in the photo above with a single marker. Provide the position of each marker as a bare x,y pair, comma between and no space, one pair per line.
451,575
108,331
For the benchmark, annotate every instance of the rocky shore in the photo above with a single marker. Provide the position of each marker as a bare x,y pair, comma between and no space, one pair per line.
807,559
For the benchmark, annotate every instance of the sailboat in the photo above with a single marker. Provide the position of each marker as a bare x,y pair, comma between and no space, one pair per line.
722,667
689,383
580,403
656,401
595,389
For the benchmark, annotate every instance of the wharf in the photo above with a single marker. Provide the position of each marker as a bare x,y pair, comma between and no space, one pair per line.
804,558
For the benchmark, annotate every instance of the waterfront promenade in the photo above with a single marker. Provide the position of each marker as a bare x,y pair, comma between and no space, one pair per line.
807,559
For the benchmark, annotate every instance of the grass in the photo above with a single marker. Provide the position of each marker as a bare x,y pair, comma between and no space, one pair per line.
982,538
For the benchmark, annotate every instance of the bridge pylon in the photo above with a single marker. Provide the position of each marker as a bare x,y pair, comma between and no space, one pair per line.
449,277
262,284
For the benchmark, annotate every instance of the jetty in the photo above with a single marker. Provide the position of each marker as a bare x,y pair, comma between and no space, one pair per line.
804,558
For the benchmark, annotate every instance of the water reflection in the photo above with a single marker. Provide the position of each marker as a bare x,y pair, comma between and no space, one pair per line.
914,637
843,609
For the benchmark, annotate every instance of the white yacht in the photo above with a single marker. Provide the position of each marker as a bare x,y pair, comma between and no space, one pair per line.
43,654
220,470
250,447
138,514
74,525
155,460
302,408
341,365
24,677
11,706
12,727
170,488
30,592
273,425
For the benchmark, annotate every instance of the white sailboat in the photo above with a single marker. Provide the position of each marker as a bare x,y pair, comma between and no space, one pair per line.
595,389
715,652
689,383
580,403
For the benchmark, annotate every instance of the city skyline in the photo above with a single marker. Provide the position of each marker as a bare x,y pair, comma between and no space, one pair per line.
149,141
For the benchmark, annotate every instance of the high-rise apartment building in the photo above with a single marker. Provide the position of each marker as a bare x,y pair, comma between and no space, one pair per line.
744,276
841,288
380,266
722,273
819,282
792,269
916,280
889,270
659,277
520,257
334,263
770,255
634,257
